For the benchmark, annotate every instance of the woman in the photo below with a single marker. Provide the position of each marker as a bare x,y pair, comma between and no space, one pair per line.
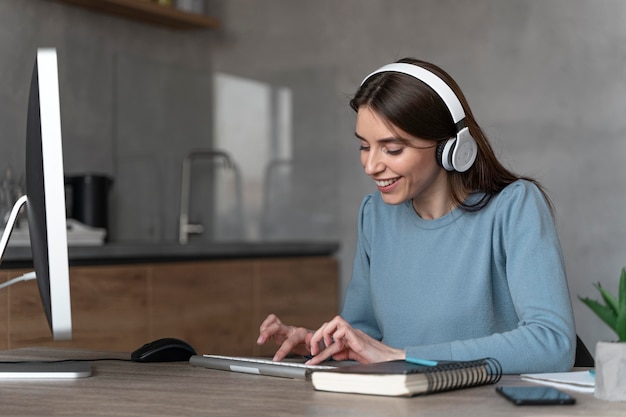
457,257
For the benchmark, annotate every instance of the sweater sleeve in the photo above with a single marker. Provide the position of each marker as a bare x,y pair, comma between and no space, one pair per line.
544,339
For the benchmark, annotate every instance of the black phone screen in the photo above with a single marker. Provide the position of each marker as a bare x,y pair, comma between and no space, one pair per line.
539,395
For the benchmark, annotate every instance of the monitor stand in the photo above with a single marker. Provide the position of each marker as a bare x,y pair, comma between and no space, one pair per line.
4,241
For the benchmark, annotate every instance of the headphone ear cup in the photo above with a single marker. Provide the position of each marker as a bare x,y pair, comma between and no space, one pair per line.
444,154
464,153
439,153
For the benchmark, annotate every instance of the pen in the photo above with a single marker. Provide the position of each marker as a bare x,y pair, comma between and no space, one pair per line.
418,361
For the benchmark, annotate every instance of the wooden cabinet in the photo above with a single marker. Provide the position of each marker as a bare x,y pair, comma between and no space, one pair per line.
295,292
109,307
217,306
210,305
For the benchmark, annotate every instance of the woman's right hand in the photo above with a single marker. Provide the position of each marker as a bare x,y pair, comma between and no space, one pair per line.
291,339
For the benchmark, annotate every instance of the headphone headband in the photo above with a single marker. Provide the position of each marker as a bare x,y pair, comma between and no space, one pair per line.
433,81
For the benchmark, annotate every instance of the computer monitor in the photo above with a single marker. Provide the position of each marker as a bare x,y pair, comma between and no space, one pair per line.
45,191
45,196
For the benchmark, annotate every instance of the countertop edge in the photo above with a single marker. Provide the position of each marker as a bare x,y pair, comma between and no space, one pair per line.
131,253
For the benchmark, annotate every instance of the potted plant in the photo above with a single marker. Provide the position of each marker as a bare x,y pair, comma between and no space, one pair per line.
610,360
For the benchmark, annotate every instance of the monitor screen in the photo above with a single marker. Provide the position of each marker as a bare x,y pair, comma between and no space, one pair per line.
45,192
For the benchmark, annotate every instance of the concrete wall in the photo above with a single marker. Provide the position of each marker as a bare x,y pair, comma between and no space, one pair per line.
544,78
134,99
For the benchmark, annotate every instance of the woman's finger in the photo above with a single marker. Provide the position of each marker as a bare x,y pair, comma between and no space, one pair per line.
296,339
269,320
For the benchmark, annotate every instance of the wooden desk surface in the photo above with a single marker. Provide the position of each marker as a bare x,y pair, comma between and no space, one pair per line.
178,389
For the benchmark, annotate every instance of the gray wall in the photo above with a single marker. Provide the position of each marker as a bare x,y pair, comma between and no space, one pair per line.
134,99
544,78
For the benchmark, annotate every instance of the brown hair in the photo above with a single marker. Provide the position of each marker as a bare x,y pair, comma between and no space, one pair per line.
412,106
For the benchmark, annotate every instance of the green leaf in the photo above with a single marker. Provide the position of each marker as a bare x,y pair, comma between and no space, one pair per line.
620,323
622,288
608,298
606,314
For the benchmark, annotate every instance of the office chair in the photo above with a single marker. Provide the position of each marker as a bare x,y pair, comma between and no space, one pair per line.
583,356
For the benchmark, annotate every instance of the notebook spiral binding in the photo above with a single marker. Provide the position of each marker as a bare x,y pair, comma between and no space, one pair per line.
455,375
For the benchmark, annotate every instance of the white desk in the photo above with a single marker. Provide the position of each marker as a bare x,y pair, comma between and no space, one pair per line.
178,389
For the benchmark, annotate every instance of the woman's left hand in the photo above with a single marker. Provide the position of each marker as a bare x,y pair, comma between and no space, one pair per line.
343,342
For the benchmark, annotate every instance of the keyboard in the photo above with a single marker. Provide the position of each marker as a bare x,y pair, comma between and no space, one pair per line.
287,368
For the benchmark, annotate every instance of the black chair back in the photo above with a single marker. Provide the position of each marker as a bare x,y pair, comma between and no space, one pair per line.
583,356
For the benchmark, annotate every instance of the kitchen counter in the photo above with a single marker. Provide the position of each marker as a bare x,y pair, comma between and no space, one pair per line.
143,252
213,295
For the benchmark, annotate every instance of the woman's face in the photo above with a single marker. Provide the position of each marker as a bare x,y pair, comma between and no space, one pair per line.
401,172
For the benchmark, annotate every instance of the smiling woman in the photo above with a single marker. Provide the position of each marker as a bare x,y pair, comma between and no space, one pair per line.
442,265
403,168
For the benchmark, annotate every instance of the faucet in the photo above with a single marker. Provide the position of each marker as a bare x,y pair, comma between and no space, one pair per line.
184,227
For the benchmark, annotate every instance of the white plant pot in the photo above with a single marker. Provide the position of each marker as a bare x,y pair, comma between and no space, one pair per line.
610,369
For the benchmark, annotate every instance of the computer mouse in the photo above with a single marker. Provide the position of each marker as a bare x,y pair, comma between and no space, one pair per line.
168,349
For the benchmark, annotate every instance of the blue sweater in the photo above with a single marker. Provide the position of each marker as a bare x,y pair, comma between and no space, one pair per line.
467,285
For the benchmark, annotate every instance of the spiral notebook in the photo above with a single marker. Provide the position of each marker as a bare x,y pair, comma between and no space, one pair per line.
400,378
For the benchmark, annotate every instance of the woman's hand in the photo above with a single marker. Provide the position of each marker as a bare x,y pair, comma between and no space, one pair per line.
339,340
290,338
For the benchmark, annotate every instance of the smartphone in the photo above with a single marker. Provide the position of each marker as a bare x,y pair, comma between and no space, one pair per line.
531,395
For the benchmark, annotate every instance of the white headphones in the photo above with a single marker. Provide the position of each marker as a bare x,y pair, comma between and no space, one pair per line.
457,153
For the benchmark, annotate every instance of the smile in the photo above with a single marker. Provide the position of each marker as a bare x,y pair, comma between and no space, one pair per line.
386,183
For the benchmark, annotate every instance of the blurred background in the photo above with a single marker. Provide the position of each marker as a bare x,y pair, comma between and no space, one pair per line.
267,90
